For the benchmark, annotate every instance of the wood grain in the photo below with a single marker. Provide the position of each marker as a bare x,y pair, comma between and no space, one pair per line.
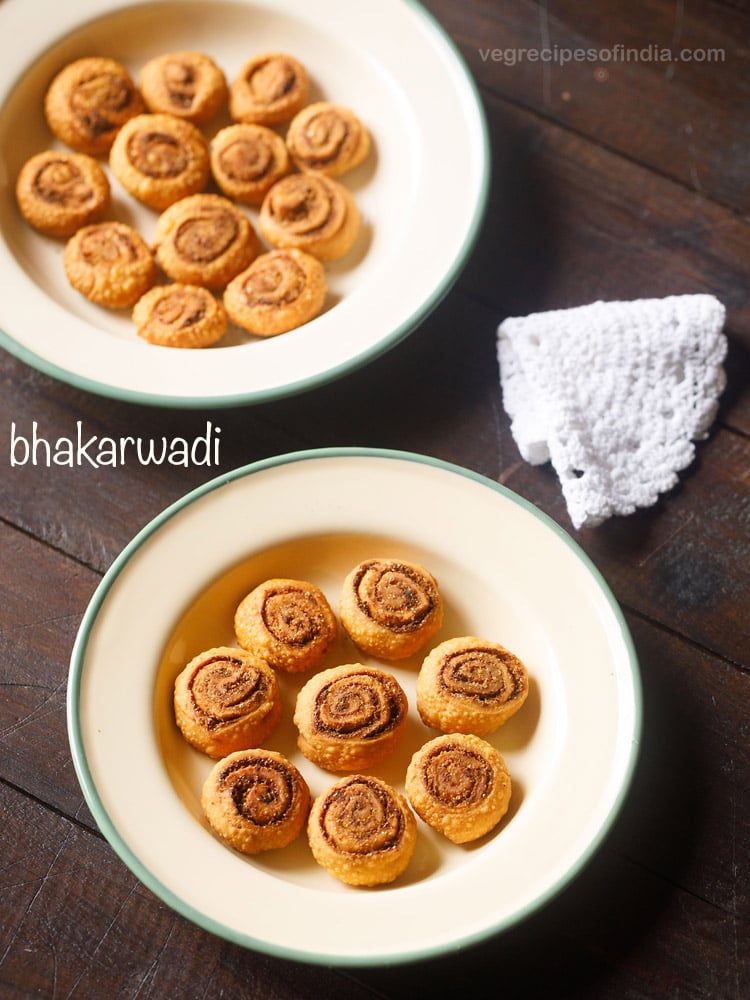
627,184
680,116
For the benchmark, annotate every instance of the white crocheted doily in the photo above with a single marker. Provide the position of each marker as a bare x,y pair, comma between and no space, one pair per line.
613,394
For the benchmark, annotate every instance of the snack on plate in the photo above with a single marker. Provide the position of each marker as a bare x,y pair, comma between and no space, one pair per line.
59,192
312,213
350,717
204,239
110,264
247,160
226,699
280,291
469,685
390,608
269,88
256,800
459,785
327,138
362,831
287,622
89,101
187,84
160,159
179,315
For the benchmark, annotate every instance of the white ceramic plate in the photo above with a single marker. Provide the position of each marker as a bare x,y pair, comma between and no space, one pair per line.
421,192
506,573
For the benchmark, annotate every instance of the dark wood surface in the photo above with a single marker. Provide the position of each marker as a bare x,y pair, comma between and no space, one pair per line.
630,186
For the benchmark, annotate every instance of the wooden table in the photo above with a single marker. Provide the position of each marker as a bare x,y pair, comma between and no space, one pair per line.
612,179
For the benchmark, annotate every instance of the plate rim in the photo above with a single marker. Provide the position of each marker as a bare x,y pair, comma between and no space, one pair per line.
291,952
350,365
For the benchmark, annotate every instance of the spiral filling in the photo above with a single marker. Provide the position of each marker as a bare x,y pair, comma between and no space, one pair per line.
457,777
305,206
98,99
206,236
394,595
361,817
224,689
276,283
107,246
246,161
61,182
358,705
482,674
271,80
157,154
325,136
181,82
179,310
262,790
293,617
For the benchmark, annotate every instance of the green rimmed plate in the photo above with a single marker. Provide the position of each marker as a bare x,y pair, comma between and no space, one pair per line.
422,191
506,572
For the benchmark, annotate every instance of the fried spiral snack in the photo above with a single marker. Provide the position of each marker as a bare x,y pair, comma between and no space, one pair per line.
362,831
280,291
269,88
390,608
226,699
159,159
204,239
312,213
288,622
459,785
350,717
256,800
110,264
327,138
89,101
247,160
469,685
187,84
178,315
58,192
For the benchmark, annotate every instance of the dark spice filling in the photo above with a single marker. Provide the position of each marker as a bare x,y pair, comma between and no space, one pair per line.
394,595
360,706
262,789
361,817
481,674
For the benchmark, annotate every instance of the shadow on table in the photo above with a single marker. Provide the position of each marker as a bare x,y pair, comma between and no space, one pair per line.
596,939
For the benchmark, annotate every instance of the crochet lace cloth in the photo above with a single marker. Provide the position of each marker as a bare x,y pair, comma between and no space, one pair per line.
613,394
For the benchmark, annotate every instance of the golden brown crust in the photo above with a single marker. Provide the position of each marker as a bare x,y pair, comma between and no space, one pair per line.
247,160
280,291
179,315
110,264
204,239
59,192
256,800
269,88
469,685
459,785
310,212
89,101
187,84
159,159
350,717
390,608
362,831
287,622
226,699
327,138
